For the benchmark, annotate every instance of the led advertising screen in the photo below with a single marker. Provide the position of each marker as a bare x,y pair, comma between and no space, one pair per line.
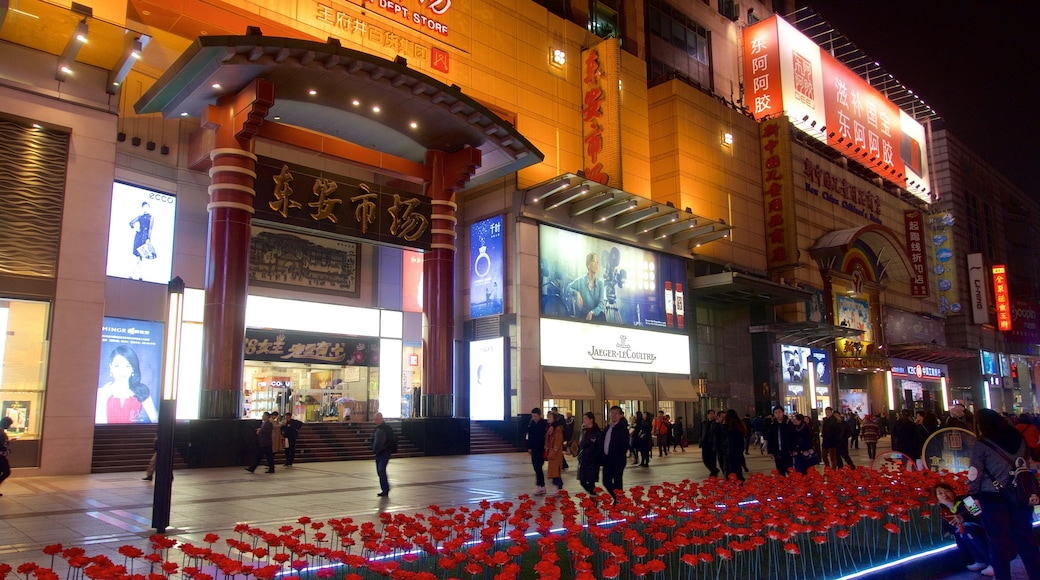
140,234
487,379
603,282
796,364
129,385
485,267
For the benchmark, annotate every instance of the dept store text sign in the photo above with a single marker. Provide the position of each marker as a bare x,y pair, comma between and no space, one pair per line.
299,196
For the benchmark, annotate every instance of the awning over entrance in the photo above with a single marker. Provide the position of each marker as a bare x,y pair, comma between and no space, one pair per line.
361,98
676,389
805,333
932,353
626,386
737,288
567,384
831,246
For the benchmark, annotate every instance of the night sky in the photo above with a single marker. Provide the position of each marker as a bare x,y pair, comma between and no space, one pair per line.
977,64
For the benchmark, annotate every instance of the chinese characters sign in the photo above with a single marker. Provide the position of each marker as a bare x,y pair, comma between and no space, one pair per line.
299,347
1000,295
316,200
787,73
915,246
601,112
374,35
778,193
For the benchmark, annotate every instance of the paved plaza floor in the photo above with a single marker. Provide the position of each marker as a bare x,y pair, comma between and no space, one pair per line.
102,512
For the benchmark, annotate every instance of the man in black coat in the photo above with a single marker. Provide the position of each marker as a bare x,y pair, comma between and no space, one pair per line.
780,438
709,434
536,447
291,432
615,451
830,433
264,450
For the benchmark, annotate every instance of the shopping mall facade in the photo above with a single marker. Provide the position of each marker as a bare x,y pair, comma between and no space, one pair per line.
444,211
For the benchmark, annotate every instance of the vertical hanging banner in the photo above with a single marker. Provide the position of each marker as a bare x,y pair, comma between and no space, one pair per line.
915,246
941,229
977,280
601,112
485,274
1000,295
778,193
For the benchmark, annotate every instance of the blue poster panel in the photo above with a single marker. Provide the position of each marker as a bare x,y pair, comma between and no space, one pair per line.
140,234
603,282
485,267
130,372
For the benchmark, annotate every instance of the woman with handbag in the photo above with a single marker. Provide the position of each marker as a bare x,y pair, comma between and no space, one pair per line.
554,450
143,249
803,451
1008,522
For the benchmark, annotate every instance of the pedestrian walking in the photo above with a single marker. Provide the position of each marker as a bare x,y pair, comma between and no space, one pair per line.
615,451
263,440
869,433
554,450
536,448
384,444
590,453
709,429
291,431
780,439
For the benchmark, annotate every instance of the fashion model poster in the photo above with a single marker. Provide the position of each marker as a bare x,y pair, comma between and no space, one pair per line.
129,383
140,234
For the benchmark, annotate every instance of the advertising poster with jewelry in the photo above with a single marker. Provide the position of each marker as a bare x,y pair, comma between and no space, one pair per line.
594,280
485,273
140,234
129,377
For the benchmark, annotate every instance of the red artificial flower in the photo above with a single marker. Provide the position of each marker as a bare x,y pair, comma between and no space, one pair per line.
169,567
210,538
303,521
791,549
52,550
326,573
26,568
892,528
131,552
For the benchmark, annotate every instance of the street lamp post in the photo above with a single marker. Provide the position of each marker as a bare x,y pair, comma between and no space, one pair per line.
163,492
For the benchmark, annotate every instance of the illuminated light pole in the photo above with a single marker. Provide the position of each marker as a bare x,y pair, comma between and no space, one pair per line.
163,493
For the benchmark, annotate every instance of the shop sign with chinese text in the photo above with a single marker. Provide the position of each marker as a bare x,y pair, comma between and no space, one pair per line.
317,200
601,112
915,249
302,347
778,193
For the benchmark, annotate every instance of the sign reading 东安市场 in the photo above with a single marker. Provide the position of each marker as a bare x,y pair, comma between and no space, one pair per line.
788,73
601,112
299,196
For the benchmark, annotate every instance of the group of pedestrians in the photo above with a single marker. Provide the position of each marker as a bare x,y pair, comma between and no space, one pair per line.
725,440
596,449
273,432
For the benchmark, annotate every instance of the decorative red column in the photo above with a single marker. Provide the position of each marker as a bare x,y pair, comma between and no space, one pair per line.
448,174
235,121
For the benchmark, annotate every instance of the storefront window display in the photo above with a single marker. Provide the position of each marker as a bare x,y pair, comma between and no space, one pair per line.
24,346
919,386
313,393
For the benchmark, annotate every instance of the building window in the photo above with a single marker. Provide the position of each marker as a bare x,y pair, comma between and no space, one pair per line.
987,227
560,8
974,224
24,346
679,46
603,20
729,9
710,361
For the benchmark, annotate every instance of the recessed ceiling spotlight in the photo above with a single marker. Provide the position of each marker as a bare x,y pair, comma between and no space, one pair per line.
184,114
375,109
37,126
355,102
312,92
216,86
277,117
413,125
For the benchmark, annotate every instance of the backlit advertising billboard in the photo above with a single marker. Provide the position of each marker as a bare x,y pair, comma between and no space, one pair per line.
487,377
788,73
603,282
485,267
140,234
129,377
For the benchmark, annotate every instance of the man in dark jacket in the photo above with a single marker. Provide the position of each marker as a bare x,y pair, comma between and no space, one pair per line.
382,446
568,437
615,451
830,433
264,451
536,447
709,432
291,431
780,439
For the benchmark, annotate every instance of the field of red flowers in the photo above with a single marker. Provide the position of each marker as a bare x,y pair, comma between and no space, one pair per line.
817,526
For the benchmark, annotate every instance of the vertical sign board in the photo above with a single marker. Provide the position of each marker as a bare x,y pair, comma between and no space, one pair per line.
485,267
601,112
778,193
487,379
977,280
915,247
941,229
1000,295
